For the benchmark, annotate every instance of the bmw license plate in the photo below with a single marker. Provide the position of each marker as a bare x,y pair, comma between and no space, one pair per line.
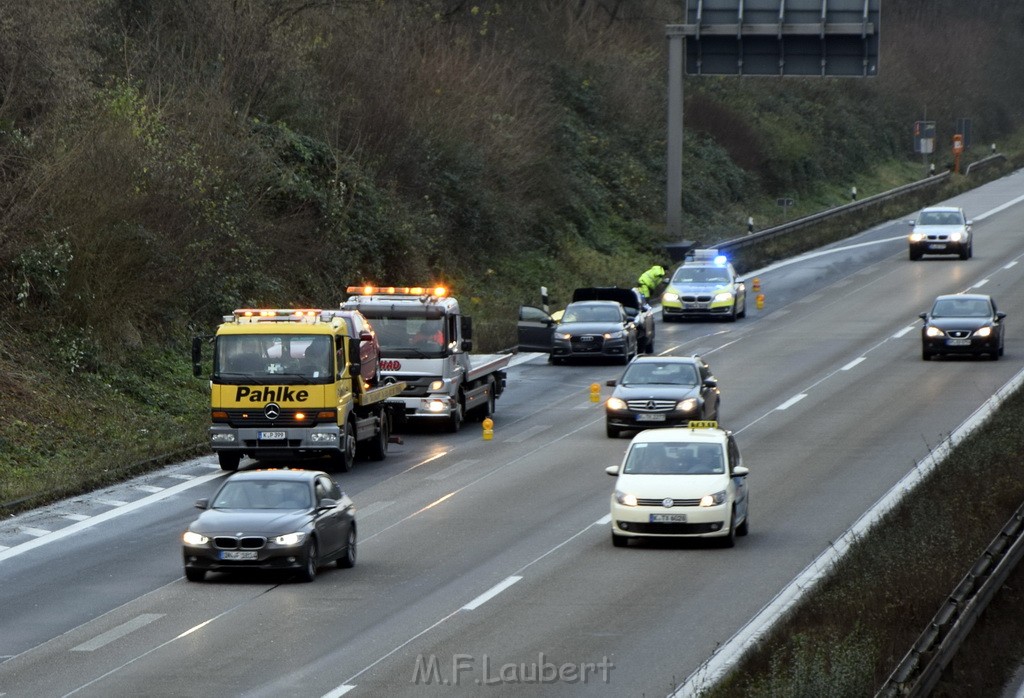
272,435
695,306
958,342
668,518
650,418
936,246
238,554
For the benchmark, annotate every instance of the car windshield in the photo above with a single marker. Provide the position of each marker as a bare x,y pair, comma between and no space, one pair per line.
675,459
940,218
957,307
700,275
664,373
300,357
591,313
263,494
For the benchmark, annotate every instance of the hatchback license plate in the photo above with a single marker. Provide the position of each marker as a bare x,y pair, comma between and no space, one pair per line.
272,435
238,555
958,342
668,518
650,418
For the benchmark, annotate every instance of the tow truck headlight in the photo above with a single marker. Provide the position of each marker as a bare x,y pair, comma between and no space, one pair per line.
626,500
435,386
712,500
223,438
723,297
670,296
983,332
931,331
437,406
615,404
289,539
193,538
687,405
323,436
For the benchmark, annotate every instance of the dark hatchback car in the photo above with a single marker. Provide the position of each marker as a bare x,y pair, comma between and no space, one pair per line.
594,329
661,391
272,520
963,323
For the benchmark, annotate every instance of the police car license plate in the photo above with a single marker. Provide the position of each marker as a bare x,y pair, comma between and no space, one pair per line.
668,518
650,418
958,342
695,306
272,435
238,555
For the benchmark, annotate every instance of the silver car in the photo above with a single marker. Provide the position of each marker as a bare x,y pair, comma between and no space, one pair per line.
941,230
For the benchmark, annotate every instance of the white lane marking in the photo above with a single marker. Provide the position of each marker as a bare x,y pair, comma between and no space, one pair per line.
181,476
791,401
1011,265
997,209
35,532
3,547
527,434
452,469
75,517
726,655
106,516
117,633
338,692
853,363
374,507
149,488
979,284
111,502
606,519
491,593
905,330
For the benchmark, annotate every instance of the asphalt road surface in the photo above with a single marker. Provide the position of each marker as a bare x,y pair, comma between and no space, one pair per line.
486,567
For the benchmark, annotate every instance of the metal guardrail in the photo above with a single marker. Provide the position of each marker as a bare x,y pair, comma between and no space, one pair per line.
922,667
985,162
799,223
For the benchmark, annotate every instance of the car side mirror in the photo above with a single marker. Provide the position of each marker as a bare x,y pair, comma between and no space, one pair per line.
612,470
1000,314
327,503
923,316
711,382
611,383
740,471
202,504
910,223
970,223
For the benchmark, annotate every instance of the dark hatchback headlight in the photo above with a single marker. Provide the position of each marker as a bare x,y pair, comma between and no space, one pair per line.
932,331
983,332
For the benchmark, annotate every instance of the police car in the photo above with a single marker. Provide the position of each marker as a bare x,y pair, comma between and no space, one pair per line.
705,285
681,482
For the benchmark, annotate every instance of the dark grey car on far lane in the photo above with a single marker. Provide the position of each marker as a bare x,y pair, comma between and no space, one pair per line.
272,520
963,323
661,391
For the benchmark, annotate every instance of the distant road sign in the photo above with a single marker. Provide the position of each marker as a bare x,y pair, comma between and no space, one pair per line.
924,137
784,202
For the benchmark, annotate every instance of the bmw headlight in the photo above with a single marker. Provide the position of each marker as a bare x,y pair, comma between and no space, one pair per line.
617,334
713,500
916,237
626,500
932,331
670,296
983,332
687,405
193,538
723,297
957,236
615,404
289,539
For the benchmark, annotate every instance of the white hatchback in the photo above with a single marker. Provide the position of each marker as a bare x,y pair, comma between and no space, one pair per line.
686,482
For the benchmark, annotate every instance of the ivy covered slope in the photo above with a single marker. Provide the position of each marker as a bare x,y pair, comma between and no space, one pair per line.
165,161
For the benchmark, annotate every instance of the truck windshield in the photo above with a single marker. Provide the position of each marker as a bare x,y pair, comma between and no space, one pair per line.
285,358
415,336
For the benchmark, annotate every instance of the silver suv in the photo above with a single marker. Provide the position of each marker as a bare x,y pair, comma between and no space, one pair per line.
941,230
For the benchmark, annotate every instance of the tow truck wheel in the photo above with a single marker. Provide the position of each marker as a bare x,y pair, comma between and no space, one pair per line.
377,447
346,457
455,421
229,461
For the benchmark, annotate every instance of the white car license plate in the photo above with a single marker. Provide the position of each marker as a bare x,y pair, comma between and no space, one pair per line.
668,518
238,555
272,435
650,418
958,342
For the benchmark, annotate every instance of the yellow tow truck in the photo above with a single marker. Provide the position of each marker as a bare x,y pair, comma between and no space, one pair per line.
286,385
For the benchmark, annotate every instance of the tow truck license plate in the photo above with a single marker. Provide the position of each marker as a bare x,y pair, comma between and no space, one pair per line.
650,418
238,555
272,435
958,342
668,518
